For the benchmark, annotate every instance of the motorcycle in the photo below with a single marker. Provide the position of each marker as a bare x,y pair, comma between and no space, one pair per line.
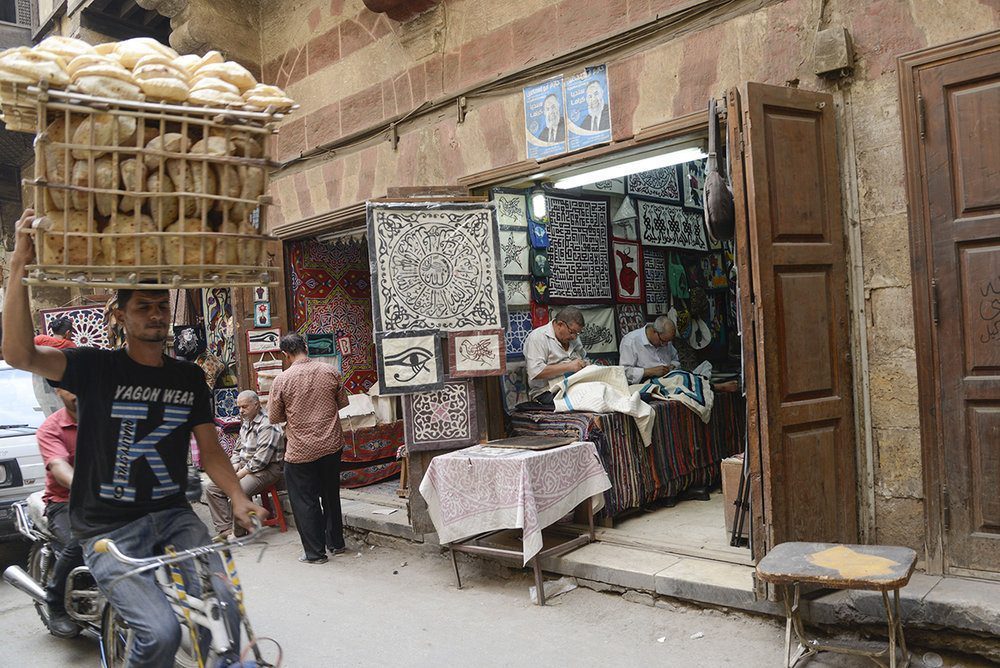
84,602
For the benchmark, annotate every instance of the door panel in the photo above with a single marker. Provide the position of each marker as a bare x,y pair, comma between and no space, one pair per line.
960,157
799,282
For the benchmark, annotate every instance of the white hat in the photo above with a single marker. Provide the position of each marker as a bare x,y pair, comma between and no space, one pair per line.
701,335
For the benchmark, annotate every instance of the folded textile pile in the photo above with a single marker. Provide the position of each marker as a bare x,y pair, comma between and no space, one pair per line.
690,389
602,389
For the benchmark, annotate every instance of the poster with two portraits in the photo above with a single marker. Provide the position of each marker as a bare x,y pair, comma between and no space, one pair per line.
567,114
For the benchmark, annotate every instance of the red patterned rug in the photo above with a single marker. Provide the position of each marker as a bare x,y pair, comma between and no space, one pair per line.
330,287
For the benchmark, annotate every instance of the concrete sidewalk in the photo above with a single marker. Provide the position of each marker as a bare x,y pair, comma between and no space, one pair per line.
939,605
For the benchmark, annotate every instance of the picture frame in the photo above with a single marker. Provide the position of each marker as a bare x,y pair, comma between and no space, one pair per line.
263,341
409,362
477,353
262,314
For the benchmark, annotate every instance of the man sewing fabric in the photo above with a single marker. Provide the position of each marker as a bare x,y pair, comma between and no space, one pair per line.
647,352
553,351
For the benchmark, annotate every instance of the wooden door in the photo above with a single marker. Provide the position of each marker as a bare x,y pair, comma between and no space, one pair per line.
797,315
957,216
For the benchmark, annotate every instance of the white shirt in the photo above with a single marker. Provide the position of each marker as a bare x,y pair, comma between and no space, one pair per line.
542,348
638,354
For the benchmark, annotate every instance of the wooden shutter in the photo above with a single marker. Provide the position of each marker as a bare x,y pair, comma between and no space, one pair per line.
795,316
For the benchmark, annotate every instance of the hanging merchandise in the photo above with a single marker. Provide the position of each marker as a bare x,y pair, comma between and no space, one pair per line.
538,233
540,263
700,335
720,210
677,276
540,290
698,305
539,315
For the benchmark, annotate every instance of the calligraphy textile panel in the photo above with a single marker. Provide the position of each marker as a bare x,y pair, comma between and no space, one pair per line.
630,317
477,353
598,335
512,207
578,250
515,334
627,263
409,361
670,226
435,267
89,329
514,250
330,287
654,264
662,183
517,290
443,419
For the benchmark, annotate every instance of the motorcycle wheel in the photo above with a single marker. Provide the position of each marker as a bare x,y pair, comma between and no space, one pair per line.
116,639
40,574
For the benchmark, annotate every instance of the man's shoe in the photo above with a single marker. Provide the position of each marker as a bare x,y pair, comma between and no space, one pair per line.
339,550
319,560
61,626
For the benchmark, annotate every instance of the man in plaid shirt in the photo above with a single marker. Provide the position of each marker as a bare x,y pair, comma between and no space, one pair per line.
258,460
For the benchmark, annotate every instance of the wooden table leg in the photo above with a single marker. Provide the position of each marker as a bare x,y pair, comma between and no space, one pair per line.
539,583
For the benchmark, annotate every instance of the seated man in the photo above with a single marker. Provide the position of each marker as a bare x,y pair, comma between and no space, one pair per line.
57,443
258,460
553,351
647,352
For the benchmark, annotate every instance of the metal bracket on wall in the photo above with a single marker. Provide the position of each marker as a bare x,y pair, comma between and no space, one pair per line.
934,301
394,136
463,108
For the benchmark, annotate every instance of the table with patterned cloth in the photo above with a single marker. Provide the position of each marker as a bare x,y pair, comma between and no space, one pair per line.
481,489
685,451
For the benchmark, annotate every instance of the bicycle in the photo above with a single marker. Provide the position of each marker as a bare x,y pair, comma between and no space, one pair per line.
196,613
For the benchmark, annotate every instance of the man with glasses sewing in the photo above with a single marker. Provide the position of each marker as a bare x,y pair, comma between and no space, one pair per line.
137,411
647,352
553,351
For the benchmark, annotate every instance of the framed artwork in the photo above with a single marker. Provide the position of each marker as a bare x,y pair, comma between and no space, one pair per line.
662,184
628,272
630,317
517,332
693,177
435,266
713,269
670,226
517,290
442,419
481,353
89,329
262,294
189,341
225,403
409,361
599,333
262,314
578,250
514,384
322,345
512,207
263,340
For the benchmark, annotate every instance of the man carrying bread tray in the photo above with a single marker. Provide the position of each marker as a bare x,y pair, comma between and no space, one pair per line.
137,410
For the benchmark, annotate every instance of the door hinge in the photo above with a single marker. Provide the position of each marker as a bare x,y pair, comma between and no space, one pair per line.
921,116
934,301
946,502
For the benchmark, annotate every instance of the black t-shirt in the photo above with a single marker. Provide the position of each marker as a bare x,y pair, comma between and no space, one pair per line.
134,429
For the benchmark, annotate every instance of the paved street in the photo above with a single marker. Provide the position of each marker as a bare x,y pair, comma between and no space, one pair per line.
367,608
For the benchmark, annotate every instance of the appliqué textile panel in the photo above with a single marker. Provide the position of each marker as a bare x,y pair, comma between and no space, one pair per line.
694,183
514,249
435,267
477,353
578,250
517,290
516,333
369,475
627,262
330,288
512,208
599,328
630,318
515,385
219,324
371,444
662,183
670,226
225,404
89,329
409,361
442,419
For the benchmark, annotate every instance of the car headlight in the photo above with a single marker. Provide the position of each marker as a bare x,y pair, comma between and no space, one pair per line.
10,473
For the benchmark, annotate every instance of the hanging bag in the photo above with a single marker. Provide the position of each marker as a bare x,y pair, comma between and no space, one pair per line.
677,275
720,213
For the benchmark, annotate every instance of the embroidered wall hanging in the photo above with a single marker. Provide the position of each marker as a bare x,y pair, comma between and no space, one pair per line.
220,326
578,250
512,207
540,289
480,353
262,314
443,419
189,341
517,290
89,329
657,289
627,263
514,248
261,294
435,267
409,361
538,233
663,184
540,263
694,183
514,384
630,318
263,340
598,335
516,333
225,403
609,187
624,230
539,315
330,290
670,226
322,345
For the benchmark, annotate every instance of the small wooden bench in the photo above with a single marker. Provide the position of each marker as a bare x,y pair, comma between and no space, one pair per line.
830,565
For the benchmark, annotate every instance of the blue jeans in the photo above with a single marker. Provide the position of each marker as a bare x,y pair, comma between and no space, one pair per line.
139,599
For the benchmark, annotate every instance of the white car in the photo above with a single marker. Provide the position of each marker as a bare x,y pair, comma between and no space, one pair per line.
21,469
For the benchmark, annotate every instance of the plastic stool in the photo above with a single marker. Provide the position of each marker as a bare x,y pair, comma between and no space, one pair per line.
270,500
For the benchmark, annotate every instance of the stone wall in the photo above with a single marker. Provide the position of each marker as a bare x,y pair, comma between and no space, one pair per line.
354,71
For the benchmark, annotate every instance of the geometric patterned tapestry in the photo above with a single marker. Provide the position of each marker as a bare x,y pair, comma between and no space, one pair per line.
578,250
330,293
89,329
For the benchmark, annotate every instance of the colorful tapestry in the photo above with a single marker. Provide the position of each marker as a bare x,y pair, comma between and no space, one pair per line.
443,419
627,263
322,345
435,267
220,326
598,335
476,353
670,226
409,361
578,250
330,290
516,333
654,265
370,474
89,329
225,403
371,444
662,183
694,183
539,315
630,318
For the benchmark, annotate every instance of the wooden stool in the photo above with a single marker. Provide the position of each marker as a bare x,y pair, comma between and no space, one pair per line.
879,568
269,499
